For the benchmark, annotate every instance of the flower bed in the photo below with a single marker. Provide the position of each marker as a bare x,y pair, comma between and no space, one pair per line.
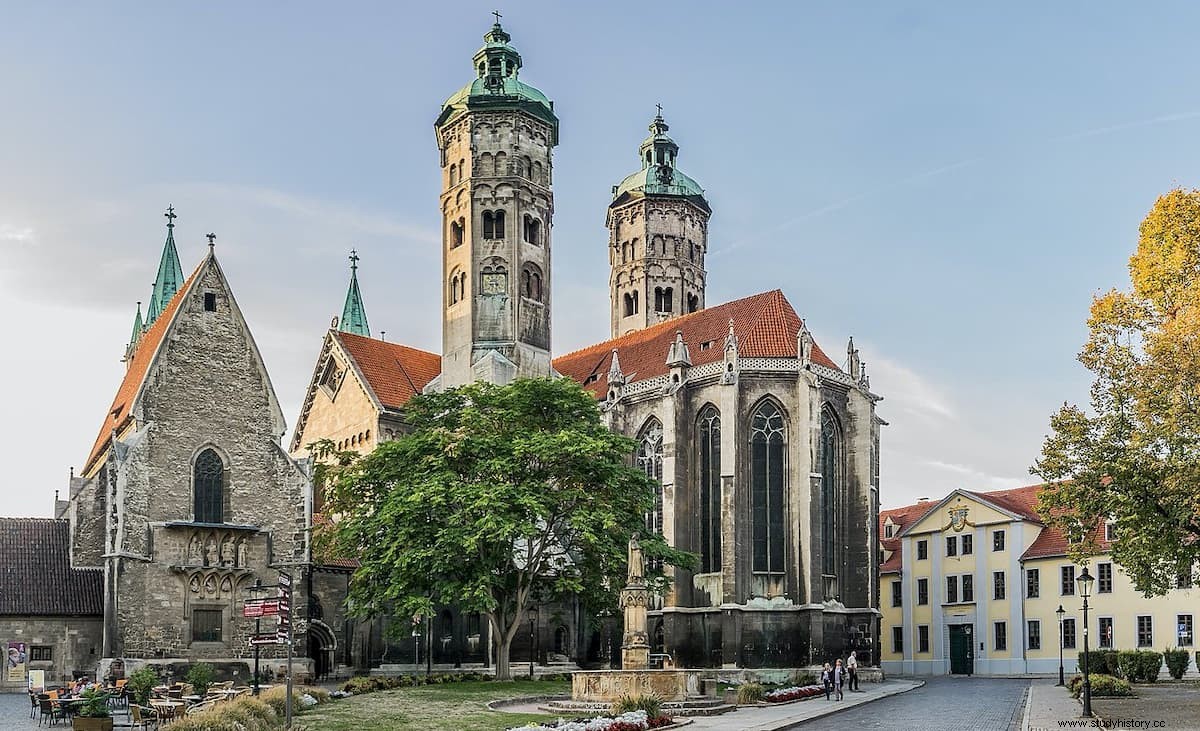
794,693
632,721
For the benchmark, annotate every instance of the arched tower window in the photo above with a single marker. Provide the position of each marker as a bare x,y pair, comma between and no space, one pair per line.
531,282
453,173
693,303
208,485
456,233
767,445
649,459
499,220
489,225
708,435
831,490
532,230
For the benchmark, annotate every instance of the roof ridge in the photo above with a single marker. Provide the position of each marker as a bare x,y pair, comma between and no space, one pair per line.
672,323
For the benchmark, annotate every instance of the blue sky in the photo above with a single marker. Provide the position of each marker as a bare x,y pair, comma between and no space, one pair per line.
950,184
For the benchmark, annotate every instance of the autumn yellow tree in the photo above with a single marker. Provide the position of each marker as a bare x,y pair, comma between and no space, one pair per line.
1134,457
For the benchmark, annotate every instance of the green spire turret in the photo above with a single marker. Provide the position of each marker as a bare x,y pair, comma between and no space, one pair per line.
134,337
354,315
170,273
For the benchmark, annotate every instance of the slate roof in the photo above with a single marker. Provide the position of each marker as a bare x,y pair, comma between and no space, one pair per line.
118,416
765,325
394,372
36,577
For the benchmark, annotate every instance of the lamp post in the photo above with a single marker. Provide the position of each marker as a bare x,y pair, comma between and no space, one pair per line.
1060,612
1085,581
532,620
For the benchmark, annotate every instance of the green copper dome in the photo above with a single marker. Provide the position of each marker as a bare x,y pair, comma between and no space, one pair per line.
497,86
658,175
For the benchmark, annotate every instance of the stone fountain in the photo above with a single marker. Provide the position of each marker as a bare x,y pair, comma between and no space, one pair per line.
678,689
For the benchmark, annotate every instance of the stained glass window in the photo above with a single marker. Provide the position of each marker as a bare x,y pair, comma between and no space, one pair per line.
767,441
709,434
209,486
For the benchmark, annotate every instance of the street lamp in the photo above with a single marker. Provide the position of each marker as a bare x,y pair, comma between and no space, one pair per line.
532,620
1060,612
1085,581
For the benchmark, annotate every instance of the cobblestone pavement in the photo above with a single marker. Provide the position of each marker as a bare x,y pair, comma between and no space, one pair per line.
943,704
14,715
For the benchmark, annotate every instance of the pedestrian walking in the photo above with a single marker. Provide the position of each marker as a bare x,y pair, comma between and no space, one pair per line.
827,679
852,668
839,678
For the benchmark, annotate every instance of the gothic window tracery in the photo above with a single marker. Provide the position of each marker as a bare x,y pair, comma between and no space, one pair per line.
709,436
208,480
831,489
767,445
649,460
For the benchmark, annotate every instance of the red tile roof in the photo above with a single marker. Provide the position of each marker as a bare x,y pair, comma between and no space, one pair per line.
901,518
394,372
118,416
1019,500
1053,542
321,522
765,324
36,575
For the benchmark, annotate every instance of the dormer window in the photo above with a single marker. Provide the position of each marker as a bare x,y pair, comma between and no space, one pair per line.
889,530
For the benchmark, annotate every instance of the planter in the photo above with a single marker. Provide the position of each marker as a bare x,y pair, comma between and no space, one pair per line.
79,723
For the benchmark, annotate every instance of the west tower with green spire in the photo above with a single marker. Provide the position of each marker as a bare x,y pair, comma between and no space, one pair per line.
354,315
658,238
496,136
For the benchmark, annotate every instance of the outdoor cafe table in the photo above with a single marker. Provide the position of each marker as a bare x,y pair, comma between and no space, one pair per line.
167,710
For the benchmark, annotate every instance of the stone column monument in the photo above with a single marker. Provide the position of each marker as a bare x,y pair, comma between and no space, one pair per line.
635,647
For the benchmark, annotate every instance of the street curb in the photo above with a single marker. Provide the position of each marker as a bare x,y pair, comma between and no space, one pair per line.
788,725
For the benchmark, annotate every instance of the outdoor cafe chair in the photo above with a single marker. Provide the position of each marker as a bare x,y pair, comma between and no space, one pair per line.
49,709
142,717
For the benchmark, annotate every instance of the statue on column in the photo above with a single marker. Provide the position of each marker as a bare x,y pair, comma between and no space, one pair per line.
637,564
635,649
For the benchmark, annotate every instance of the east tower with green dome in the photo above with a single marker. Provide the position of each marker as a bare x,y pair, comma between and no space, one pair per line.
496,136
658,238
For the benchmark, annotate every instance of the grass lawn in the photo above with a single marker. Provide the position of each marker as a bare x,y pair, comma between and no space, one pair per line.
449,707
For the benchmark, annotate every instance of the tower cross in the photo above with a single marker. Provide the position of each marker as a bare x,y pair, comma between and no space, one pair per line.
354,258
212,238
170,214
659,109
498,16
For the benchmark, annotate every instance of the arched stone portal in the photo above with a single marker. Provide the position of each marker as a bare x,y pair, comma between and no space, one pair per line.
321,646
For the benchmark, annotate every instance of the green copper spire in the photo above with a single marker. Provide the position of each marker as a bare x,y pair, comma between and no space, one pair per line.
170,273
354,315
138,328
659,174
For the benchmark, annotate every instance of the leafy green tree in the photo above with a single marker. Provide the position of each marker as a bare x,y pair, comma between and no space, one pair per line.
1135,458
496,498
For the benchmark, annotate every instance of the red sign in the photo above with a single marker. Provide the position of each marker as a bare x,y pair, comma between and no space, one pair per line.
255,608
252,610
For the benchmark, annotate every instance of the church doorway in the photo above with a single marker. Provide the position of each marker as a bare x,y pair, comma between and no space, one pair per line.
321,645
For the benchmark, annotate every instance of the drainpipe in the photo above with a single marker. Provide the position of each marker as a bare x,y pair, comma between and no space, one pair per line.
1024,625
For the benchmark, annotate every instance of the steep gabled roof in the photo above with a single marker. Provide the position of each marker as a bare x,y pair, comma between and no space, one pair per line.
1019,500
394,372
1053,542
765,324
36,577
120,413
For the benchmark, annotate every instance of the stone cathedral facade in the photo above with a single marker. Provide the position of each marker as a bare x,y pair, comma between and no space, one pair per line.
765,450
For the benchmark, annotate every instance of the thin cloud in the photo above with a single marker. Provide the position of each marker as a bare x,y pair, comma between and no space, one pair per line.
1164,119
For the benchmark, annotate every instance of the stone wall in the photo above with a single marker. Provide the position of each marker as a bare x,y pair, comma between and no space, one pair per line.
74,644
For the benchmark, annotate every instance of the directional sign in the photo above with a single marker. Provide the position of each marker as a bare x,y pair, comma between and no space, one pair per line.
285,580
264,640
252,610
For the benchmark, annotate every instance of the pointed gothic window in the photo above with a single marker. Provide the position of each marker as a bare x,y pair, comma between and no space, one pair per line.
831,490
208,484
709,437
649,459
767,444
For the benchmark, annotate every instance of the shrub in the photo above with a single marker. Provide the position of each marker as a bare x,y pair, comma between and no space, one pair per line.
276,698
1102,685
141,683
1177,662
748,693
1101,662
803,679
95,704
649,703
242,714
319,694
200,676
1130,664
1149,666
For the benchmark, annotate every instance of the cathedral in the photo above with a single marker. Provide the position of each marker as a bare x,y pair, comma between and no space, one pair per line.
764,449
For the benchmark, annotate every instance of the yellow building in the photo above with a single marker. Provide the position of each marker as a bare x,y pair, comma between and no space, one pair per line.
971,584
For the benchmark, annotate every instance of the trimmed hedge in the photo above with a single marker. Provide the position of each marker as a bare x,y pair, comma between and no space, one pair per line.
1101,662
1102,686
1177,662
372,683
1136,666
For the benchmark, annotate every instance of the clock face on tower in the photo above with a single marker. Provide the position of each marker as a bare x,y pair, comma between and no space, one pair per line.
495,283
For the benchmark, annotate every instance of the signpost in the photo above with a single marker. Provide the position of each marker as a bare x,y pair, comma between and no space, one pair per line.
283,633
253,607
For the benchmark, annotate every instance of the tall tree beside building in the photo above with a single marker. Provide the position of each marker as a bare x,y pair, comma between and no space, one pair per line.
498,497
1135,457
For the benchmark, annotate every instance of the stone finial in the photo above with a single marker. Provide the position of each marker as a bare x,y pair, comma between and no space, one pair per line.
615,376
678,356
853,361
729,372
804,345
